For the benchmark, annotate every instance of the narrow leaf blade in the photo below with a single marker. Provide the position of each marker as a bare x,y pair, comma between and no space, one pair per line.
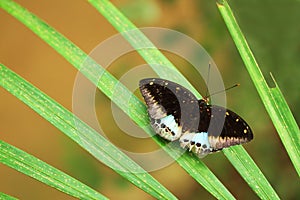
41,171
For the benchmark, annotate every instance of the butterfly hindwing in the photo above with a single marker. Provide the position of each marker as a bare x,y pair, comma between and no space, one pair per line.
225,128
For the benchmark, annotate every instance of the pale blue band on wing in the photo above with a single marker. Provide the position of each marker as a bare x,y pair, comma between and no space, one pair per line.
167,128
196,142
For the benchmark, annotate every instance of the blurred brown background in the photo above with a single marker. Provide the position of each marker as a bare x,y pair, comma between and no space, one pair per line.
272,29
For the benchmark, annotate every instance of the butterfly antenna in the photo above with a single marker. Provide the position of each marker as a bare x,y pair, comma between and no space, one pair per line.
206,93
224,90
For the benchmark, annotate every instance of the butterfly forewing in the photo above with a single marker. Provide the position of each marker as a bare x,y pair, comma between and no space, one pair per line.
168,98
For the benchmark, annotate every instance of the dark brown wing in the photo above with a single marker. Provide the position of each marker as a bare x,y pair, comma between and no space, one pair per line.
225,128
165,98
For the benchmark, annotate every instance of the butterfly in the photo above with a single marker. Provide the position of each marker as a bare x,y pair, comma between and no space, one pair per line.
176,114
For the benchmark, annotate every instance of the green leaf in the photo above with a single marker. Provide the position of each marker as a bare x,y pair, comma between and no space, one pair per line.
85,136
6,197
250,172
285,124
272,98
37,169
81,133
274,102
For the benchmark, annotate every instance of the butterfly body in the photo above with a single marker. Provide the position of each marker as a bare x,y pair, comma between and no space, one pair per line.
176,114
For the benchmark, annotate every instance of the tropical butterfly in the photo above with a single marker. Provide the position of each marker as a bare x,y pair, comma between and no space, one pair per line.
176,114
